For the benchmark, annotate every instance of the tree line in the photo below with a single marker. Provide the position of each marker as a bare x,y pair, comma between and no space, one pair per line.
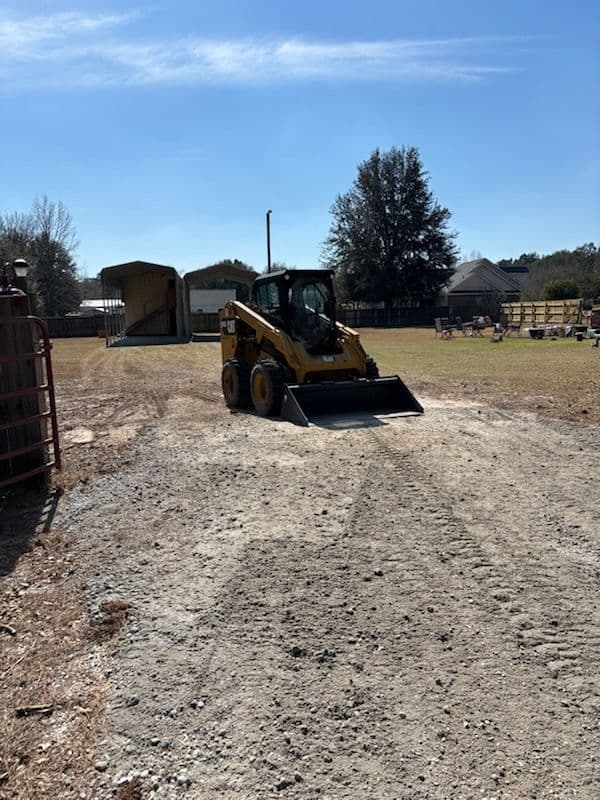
389,242
45,237
563,274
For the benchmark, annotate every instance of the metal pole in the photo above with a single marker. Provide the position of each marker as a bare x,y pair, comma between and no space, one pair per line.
269,240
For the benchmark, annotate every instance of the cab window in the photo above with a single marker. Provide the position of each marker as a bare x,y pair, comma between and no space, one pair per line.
267,298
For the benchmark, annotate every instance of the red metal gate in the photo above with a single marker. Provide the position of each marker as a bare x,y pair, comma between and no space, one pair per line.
48,444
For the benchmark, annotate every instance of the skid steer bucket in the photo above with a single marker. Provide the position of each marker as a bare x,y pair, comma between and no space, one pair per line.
301,402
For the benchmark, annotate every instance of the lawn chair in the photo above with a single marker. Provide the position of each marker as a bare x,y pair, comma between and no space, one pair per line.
479,325
497,334
443,327
466,327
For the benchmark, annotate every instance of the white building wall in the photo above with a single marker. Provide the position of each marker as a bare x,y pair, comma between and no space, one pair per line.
209,301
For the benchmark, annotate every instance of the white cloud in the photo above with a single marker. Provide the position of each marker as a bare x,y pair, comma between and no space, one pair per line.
75,49
19,38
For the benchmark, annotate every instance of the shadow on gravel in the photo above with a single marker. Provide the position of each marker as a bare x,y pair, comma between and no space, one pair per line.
338,422
343,422
22,515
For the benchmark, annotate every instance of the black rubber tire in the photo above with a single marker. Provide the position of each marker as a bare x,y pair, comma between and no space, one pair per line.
266,388
235,381
371,368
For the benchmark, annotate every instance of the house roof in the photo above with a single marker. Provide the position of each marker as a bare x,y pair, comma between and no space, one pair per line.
520,273
482,275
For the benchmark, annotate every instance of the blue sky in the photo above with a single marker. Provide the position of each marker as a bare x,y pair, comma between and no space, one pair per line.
169,128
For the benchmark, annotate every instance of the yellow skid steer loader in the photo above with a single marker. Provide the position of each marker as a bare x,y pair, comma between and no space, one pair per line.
285,354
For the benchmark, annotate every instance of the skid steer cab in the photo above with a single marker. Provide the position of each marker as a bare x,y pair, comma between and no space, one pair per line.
284,354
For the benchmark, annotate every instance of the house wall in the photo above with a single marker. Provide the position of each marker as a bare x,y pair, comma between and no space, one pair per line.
484,284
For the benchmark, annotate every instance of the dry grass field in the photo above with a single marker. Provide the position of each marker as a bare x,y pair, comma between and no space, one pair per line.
552,377
120,487
117,392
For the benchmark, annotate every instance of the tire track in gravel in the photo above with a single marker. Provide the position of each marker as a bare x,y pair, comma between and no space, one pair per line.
551,630
560,628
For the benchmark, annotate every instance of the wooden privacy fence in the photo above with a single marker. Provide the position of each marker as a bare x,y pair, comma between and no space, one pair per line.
543,312
205,323
67,327
365,317
362,317
395,317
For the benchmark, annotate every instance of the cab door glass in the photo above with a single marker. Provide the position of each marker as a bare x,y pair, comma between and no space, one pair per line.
314,298
267,299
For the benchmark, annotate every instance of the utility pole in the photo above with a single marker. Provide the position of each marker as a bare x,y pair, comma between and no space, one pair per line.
269,240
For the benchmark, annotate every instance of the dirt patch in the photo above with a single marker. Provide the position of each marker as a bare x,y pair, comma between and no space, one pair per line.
52,684
106,397
111,619
77,436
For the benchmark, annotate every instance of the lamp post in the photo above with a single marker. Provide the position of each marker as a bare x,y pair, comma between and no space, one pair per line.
21,268
269,212
14,279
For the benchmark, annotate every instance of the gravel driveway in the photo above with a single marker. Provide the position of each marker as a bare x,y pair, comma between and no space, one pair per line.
406,608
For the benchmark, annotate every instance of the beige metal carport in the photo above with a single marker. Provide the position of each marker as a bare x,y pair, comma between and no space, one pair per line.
152,303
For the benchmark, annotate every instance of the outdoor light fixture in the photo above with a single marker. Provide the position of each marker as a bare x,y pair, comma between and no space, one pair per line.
21,268
12,272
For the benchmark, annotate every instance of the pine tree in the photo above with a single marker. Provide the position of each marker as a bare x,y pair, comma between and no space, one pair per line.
389,239
55,277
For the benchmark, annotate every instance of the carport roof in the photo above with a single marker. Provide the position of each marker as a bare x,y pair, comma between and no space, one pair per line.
120,271
229,272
